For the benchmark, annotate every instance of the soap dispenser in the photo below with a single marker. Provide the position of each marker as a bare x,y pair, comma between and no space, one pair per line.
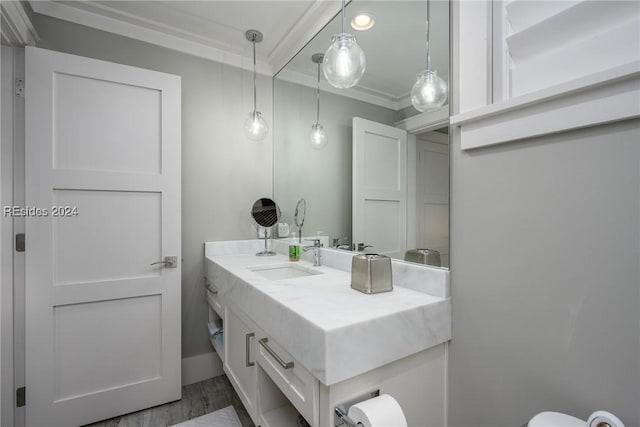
294,248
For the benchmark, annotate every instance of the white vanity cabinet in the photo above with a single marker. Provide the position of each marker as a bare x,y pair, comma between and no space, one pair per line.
286,357
240,357
285,388
274,387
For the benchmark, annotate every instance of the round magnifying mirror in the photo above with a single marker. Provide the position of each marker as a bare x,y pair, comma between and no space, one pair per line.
266,214
298,216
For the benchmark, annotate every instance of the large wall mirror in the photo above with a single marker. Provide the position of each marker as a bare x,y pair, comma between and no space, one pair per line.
382,181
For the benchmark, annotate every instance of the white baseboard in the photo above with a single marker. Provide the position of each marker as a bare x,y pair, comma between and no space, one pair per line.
200,367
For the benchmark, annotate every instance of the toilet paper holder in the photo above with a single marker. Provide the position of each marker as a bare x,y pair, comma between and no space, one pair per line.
340,412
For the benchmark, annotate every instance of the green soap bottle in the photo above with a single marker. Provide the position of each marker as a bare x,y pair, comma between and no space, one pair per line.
294,249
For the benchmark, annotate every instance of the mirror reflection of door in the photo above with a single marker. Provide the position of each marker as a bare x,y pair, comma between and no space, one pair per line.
379,188
400,191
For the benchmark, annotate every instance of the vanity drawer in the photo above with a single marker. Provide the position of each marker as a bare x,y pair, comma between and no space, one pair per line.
213,297
295,382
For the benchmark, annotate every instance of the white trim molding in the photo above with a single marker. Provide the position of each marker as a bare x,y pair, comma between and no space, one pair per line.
359,93
200,367
7,108
16,28
425,122
316,17
603,97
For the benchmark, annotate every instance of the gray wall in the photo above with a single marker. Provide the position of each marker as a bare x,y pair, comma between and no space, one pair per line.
223,173
322,177
545,277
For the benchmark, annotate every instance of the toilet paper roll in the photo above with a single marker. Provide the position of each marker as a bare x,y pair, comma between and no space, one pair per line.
381,411
604,417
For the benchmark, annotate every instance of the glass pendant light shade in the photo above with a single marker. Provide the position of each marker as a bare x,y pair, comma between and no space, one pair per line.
319,137
255,127
429,92
344,62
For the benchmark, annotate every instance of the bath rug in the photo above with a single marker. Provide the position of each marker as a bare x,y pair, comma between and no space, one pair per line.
225,417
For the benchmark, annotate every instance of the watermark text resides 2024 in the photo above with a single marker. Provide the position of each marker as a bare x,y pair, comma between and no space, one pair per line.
32,211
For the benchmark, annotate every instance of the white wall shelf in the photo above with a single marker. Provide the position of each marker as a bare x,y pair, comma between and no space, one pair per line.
217,347
284,416
603,97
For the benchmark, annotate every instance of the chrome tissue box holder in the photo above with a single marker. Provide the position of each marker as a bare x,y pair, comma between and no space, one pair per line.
371,273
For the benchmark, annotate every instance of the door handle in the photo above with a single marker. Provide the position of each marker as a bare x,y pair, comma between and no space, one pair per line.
169,262
361,247
247,355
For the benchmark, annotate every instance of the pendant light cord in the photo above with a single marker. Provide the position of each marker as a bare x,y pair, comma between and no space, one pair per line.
255,108
428,38
344,18
318,97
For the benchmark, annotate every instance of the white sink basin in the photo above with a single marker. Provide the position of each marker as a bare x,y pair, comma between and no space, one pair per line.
283,271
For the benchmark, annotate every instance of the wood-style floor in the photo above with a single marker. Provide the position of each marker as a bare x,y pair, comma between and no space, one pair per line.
197,399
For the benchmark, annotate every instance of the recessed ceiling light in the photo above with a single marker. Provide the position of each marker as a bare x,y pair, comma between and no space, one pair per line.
362,21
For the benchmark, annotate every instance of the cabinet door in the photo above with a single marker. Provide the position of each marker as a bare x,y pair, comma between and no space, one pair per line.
240,354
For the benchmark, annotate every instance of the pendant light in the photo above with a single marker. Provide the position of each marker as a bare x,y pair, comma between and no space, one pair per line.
344,61
430,91
319,137
255,127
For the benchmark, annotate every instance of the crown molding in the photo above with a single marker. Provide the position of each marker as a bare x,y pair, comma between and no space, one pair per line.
358,93
427,121
147,31
319,14
405,101
17,28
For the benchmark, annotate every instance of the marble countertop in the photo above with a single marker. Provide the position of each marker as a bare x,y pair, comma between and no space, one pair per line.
334,331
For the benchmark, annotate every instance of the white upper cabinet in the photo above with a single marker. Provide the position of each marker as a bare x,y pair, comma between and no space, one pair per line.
525,68
549,42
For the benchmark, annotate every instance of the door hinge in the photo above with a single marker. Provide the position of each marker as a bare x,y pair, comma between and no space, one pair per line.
20,88
20,242
20,397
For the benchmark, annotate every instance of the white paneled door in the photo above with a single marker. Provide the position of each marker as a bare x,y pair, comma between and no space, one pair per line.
379,217
103,179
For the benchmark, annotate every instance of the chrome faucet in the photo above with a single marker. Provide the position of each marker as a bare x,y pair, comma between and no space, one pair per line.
336,243
316,251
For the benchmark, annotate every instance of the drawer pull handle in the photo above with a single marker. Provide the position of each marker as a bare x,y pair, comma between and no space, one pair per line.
285,365
247,355
210,288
